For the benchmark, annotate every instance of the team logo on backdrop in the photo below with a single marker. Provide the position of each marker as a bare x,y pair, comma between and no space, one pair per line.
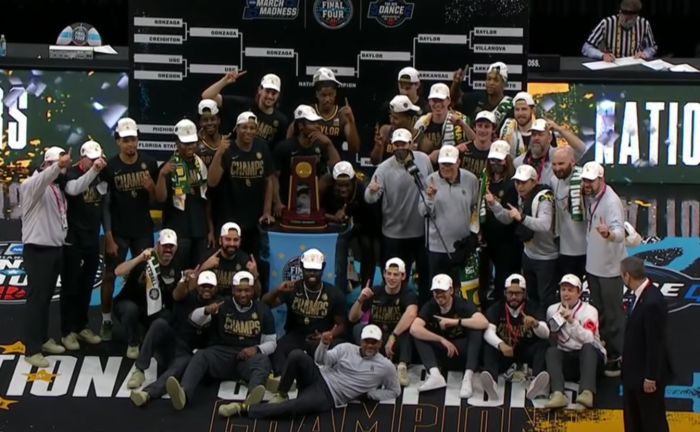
292,269
271,9
390,13
333,14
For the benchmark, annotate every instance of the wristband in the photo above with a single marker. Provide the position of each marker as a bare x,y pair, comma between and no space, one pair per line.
394,335
607,236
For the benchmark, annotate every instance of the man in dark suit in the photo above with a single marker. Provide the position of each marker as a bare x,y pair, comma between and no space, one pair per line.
646,368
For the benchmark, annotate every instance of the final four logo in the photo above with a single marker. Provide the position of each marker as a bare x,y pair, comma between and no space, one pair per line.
292,270
390,13
333,14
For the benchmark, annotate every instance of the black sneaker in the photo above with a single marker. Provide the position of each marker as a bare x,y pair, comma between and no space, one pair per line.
613,368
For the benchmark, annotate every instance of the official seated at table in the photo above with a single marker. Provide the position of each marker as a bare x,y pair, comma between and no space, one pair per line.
623,35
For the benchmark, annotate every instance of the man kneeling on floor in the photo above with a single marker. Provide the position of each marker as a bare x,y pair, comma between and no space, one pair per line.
173,346
449,328
516,336
393,307
347,372
242,338
579,353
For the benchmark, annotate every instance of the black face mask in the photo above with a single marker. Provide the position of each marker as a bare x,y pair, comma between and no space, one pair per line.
497,168
401,154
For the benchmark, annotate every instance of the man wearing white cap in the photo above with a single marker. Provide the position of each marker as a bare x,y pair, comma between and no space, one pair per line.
173,345
492,99
44,229
392,306
534,225
81,254
539,152
395,182
182,187
332,379
442,125
402,115
147,292
272,123
409,86
307,141
131,181
242,337
230,259
450,196
209,130
516,131
605,236
579,353
313,308
448,333
474,154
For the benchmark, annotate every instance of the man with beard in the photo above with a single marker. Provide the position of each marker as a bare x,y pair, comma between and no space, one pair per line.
229,260
533,218
493,99
331,379
344,202
578,354
44,226
569,211
242,337
403,228
409,86
516,131
474,154
605,237
182,187
441,126
173,346
517,334
147,292
448,332
248,169
313,308
128,226
539,153
393,307
402,115
272,123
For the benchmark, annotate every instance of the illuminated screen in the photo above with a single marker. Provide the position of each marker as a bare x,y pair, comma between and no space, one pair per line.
641,133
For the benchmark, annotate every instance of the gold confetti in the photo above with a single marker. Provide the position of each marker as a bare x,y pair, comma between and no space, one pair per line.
642,203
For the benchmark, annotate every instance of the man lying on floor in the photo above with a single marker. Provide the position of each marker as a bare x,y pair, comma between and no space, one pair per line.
346,373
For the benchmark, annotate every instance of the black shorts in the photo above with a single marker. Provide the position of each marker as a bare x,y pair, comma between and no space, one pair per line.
135,246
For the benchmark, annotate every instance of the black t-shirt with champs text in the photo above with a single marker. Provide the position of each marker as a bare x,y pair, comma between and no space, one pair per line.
191,222
460,309
386,309
227,268
245,175
289,148
135,285
333,126
433,132
193,335
272,128
474,160
84,210
510,329
130,202
215,195
313,311
241,327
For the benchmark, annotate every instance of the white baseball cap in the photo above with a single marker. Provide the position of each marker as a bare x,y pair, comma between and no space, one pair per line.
312,259
207,277
228,227
441,282
91,150
499,67
539,125
246,117
324,74
517,279
524,96
485,115
371,331
439,91
409,74
127,127
525,173
243,277
592,170
208,105
186,131
401,135
402,104
306,112
395,262
271,81
448,154
499,150
53,154
571,279
343,168
167,237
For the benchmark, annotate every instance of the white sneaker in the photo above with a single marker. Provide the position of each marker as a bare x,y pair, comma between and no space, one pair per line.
70,342
136,380
132,352
51,347
433,382
87,335
37,360
467,389
539,386
490,386
402,372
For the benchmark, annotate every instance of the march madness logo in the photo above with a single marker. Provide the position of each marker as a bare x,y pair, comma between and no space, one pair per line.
271,9
390,13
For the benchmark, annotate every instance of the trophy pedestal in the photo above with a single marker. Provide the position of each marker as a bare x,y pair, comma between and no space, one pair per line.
313,221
